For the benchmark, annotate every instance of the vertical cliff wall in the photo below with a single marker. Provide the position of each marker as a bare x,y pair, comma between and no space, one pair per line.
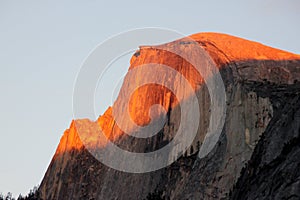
254,76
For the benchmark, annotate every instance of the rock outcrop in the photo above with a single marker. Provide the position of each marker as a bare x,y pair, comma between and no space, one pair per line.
257,149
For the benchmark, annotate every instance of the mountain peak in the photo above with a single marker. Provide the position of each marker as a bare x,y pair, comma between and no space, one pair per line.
257,78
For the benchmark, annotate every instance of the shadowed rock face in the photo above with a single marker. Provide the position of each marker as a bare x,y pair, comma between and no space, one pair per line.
273,170
261,129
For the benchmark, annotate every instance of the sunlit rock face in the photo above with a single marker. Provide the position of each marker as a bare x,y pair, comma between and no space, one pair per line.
260,83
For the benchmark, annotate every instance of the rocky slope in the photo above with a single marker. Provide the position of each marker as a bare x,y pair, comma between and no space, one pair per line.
261,129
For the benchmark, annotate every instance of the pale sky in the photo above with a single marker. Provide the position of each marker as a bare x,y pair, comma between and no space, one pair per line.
43,44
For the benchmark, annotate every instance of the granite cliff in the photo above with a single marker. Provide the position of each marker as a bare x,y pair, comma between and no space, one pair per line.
255,157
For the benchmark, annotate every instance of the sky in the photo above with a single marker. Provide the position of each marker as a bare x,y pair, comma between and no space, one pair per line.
44,43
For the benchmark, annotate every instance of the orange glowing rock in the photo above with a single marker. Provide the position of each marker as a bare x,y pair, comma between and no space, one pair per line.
75,174
224,49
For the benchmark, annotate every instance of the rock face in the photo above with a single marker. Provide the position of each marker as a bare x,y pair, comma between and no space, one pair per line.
273,170
255,157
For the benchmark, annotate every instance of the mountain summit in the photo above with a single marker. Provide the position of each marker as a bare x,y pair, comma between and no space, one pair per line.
256,155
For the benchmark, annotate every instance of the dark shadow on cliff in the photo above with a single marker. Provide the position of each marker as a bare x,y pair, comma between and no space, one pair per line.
273,170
